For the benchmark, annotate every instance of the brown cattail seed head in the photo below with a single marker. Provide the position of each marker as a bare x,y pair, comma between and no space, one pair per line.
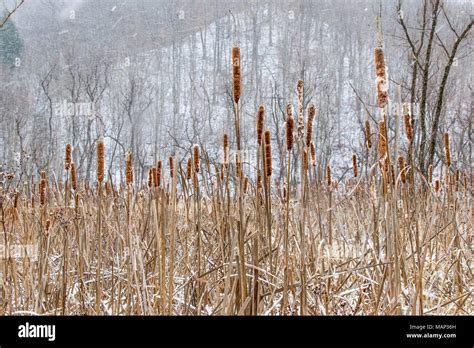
42,190
313,155
299,90
436,185
430,173
392,172
401,168
171,164
268,154
154,174
47,226
379,62
354,164
129,169
446,149
159,169
196,158
260,122
189,169
246,183
100,161
150,177
236,72
380,72
309,129
238,165
290,125
73,176
305,159
368,135
68,157
407,121
383,149
328,175
226,150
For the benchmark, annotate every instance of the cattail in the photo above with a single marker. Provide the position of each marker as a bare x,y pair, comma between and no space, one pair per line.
15,200
354,164
328,175
73,177
42,190
381,73
407,121
226,150
290,125
368,134
68,157
401,167
154,174
189,168
379,62
196,158
383,149
309,130
436,185
129,169
100,161
159,169
260,121
236,72
446,149
238,165
392,172
246,182
457,175
171,163
430,173
268,154
299,90
222,172
313,155
150,177
47,226
305,159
